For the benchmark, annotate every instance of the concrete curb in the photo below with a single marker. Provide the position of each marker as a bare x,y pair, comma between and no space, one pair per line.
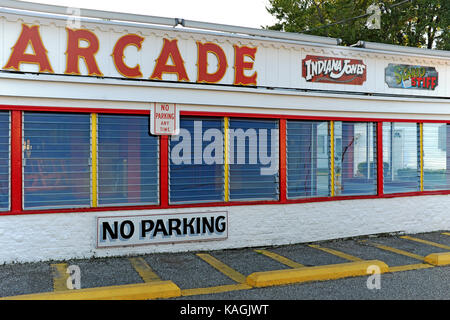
318,273
141,291
438,259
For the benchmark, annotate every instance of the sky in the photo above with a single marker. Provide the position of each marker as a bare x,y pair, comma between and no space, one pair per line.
245,13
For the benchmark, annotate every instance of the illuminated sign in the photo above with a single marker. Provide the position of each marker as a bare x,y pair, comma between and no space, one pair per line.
411,77
334,70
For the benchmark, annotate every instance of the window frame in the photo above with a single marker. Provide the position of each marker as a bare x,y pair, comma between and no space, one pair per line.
17,144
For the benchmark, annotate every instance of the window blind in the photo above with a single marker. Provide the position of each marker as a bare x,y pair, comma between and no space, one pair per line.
128,161
196,155
56,160
253,159
355,158
401,157
4,160
308,159
436,156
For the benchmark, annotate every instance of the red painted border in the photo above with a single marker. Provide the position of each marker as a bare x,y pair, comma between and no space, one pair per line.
214,114
16,160
282,153
164,171
380,164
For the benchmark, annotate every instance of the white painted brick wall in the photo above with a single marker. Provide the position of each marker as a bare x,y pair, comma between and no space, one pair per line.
29,238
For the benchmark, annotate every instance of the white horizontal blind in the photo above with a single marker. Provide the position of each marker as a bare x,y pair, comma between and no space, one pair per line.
56,160
4,160
128,161
401,157
308,159
253,159
436,156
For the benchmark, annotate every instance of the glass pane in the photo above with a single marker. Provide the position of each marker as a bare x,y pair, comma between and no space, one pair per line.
436,156
355,158
253,159
4,160
401,157
128,160
56,160
196,171
308,161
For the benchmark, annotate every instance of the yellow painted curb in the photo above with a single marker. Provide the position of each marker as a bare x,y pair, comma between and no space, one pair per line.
438,259
141,291
318,273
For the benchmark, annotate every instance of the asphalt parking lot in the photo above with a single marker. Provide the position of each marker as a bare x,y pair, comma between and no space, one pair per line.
226,273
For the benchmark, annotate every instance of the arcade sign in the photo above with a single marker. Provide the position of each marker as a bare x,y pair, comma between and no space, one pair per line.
334,70
405,76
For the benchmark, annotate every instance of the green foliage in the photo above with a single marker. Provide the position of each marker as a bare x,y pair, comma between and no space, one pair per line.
417,23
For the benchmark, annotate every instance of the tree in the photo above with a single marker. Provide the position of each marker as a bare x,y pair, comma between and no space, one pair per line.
415,23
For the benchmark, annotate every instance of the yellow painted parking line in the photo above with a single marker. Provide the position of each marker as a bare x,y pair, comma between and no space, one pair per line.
216,289
430,243
395,250
144,270
141,291
336,253
222,267
281,259
410,267
60,277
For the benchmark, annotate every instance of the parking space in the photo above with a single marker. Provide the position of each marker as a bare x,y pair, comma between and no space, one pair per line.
185,269
197,273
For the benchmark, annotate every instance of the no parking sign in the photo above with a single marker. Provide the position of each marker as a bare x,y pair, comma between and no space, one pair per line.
164,119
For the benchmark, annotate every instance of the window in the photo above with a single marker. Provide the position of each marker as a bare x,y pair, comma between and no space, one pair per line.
128,170
355,161
436,156
196,155
253,159
308,160
401,157
56,160
4,160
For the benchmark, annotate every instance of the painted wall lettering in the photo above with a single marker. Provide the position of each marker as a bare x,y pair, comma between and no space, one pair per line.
118,55
170,50
241,65
29,36
203,50
75,51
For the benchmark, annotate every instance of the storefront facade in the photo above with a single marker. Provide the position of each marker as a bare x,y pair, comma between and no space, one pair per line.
259,137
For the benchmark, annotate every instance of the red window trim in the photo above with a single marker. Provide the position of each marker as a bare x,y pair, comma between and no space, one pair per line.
16,161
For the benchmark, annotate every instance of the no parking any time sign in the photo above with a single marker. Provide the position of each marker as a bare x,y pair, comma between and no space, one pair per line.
164,119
